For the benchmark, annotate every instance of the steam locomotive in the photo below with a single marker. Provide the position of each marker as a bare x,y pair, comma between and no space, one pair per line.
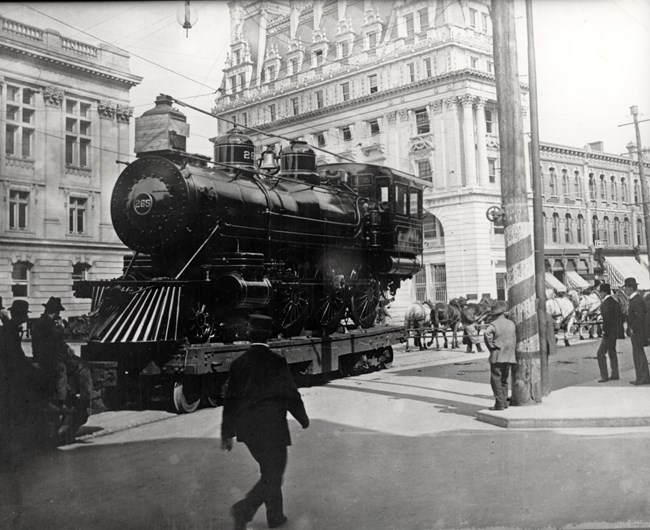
217,241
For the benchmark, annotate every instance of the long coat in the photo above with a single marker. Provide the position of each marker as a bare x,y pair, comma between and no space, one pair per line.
500,339
259,393
636,320
612,318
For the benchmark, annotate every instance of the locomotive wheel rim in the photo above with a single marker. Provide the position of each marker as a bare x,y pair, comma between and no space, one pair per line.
329,308
201,326
293,311
186,396
365,299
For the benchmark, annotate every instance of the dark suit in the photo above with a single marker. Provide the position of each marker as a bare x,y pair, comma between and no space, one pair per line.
259,393
636,329
612,330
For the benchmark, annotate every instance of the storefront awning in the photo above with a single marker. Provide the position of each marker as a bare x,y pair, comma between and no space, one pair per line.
553,283
574,281
620,267
644,259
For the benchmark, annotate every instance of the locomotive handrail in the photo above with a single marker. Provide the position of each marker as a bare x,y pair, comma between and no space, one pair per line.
216,227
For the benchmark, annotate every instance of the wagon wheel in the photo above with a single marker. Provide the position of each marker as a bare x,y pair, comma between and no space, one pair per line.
364,298
187,394
292,310
329,298
201,325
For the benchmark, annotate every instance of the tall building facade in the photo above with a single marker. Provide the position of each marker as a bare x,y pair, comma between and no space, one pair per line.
410,84
65,108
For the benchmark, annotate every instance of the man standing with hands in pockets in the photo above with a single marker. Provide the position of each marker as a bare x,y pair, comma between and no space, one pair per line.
636,332
260,391
612,330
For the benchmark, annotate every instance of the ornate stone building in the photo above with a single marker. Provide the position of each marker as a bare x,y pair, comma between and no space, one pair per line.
65,108
410,84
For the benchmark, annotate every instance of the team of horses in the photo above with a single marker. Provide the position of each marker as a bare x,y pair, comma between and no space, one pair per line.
571,311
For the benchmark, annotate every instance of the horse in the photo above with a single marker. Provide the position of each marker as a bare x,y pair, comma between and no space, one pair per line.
416,319
588,313
472,316
444,317
562,311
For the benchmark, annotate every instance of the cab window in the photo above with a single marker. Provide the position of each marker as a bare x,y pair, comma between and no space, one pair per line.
415,206
401,199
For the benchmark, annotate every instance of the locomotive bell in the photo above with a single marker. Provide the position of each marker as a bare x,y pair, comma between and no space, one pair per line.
234,149
268,161
298,160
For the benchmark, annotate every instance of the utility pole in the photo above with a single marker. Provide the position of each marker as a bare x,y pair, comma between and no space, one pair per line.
645,196
538,211
520,278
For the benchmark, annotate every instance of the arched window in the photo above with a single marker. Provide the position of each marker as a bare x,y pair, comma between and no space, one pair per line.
639,231
594,228
592,187
20,279
565,182
613,193
626,231
603,188
552,181
605,231
568,229
617,230
577,185
434,234
637,192
624,195
80,271
580,229
555,229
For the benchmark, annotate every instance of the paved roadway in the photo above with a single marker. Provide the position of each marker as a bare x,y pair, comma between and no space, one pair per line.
393,450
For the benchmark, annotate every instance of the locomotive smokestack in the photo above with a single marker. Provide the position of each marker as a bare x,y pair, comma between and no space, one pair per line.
161,129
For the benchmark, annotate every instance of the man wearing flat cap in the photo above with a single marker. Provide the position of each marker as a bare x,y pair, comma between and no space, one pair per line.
57,359
500,339
259,392
636,331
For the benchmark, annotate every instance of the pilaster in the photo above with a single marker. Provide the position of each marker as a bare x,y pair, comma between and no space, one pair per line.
481,143
467,102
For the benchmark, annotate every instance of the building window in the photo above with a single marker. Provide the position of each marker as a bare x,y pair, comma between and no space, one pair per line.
639,231
374,127
492,170
427,67
420,282
20,279
344,50
605,232
233,83
424,169
624,194
594,229
626,231
242,80
18,209
486,22
423,15
80,271
580,229
77,133
244,119
271,73
473,62
636,192
488,121
20,116
346,133
272,112
293,66
345,91
410,25
617,230
613,190
567,229
490,66
422,121
295,107
77,215
320,102
372,40
555,229
552,181
603,188
592,187
317,58
320,139
372,83
434,234
565,183
411,72
577,185
472,17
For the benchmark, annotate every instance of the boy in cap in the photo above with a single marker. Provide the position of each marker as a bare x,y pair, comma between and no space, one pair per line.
260,391
500,339
636,332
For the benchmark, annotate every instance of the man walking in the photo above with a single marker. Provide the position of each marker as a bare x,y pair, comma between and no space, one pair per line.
259,392
612,330
636,332
500,339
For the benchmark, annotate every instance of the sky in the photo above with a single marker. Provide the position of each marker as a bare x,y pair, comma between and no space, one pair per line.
593,59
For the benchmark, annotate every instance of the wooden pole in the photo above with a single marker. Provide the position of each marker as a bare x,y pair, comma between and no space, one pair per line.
520,277
538,211
645,196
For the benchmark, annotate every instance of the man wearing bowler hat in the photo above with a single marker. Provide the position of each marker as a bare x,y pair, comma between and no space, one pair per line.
259,392
500,339
636,332
612,330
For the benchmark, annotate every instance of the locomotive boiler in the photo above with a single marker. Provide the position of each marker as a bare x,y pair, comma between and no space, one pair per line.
215,241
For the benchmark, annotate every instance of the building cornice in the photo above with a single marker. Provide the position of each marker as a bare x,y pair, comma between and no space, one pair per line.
60,244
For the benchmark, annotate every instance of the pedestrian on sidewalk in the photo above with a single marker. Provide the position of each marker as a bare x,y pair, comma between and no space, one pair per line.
500,339
612,330
259,392
636,332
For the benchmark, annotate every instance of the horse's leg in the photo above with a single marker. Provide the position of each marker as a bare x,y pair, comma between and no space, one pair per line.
407,333
454,335
444,337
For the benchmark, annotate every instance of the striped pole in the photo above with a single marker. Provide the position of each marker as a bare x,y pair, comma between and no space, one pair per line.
520,263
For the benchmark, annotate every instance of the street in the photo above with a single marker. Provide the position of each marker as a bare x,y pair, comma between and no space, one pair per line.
391,450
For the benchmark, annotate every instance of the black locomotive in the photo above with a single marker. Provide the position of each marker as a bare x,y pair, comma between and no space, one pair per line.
214,242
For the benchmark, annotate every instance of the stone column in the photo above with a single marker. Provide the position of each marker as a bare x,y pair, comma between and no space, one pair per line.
467,102
481,143
452,143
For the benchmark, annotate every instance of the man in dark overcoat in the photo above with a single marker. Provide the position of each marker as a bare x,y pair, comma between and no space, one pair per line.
500,339
259,392
612,330
636,331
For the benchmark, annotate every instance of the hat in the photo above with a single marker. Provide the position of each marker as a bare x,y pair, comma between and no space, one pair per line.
499,308
19,306
260,323
53,304
630,282
605,288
